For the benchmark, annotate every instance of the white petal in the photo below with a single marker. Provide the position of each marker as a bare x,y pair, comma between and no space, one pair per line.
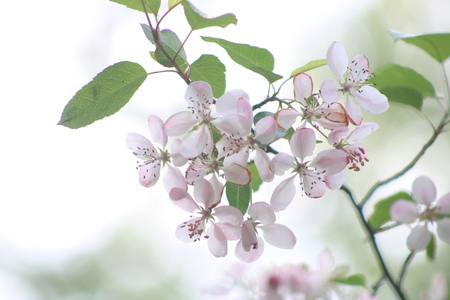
262,212
177,159
443,205
337,135
281,162
329,91
262,162
419,238
353,111
174,178
217,242
404,211
286,117
190,231
359,69
252,255
217,186
337,59
195,142
283,194
199,96
204,193
423,191
140,145
279,236
182,199
180,123
303,87
266,130
332,116
157,132
331,161
334,182
234,125
362,131
314,185
248,236
149,173
229,103
237,174
443,229
371,100
228,215
303,142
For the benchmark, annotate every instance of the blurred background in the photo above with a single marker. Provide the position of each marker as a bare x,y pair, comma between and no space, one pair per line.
74,221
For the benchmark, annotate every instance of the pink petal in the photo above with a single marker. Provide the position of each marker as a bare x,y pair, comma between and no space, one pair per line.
195,142
371,100
443,205
185,232
281,162
303,87
262,212
266,130
303,142
195,171
443,229
234,102
204,193
332,116
353,111
334,182
313,185
149,173
239,158
252,254
337,135
279,236
180,123
362,131
331,161
177,159
217,242
283,194
262,162
228,215
234,125
329,91
423,191
199,96
174,178
156,126
182,199
404,211
248,236
337,59
217,187
419,238
140,145
237,174
286,117
359,69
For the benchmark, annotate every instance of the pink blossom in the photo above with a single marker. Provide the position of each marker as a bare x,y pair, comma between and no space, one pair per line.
353,79
425,210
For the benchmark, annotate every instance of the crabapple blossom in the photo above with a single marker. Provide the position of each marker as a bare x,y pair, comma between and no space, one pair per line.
311,174
262,216
425,210
353,79
208,195
149,170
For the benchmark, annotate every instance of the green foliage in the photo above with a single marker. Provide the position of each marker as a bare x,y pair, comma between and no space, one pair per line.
355,279
105,95
309,66
381,214
238,196
431,248
210,69
436,45
151,5
172,3
256,179
197,20
256,59
403,85
280,132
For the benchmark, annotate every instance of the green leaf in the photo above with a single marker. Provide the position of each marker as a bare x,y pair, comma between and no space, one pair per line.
151,5
280,132
172,3
437,45
105,95
403,95
238,196
431,248
256,59
256,179
355,279
210,69
309,66
381,215
197,20
171,44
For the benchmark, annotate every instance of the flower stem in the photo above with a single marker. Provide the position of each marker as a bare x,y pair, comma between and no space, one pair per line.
372,240
406,264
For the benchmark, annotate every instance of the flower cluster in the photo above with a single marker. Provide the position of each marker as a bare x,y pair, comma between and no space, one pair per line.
214,141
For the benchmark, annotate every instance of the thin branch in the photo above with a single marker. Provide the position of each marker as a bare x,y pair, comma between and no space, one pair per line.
406,264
